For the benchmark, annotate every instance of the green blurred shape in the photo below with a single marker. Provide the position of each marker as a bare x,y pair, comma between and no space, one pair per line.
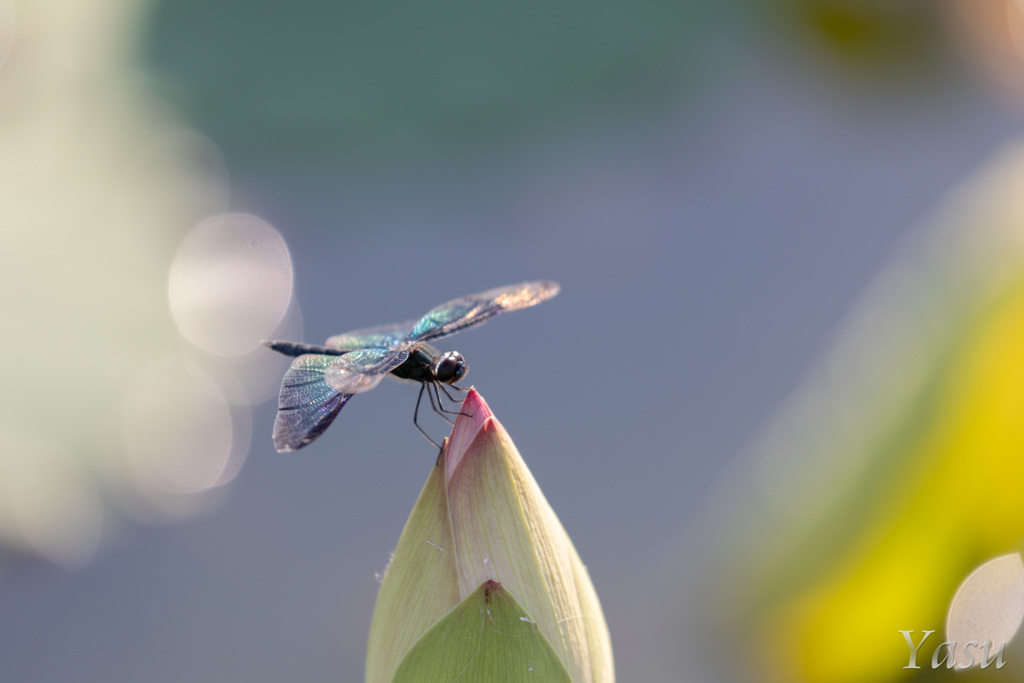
318,77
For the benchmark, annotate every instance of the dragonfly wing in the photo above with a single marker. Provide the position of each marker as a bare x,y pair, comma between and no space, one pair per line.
384,337
474,309
307,404
363,369
316,387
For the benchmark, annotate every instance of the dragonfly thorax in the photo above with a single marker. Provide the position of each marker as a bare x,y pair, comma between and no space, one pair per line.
427,364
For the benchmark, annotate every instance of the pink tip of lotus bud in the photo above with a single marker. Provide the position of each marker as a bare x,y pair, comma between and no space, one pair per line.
473,414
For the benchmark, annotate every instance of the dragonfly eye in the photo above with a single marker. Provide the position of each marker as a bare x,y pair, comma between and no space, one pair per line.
451,368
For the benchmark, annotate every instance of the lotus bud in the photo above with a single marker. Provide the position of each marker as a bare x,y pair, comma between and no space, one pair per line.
485,584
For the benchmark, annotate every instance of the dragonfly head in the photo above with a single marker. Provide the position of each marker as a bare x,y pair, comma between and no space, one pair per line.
451,368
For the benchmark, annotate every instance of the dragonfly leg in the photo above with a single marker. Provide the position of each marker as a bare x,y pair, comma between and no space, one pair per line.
438,407
416,415
438,388
444,388
453,399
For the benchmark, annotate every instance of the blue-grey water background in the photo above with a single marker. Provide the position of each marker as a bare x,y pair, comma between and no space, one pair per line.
713,189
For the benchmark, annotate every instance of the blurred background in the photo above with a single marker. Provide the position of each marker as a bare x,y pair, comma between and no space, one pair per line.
777,405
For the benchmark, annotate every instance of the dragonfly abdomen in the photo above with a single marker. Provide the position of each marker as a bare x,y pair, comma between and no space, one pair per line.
297,349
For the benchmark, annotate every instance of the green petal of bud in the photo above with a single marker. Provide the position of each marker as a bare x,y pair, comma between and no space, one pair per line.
487,637
420,584
482,518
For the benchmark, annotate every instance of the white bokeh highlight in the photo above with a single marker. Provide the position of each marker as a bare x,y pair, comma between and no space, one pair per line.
179,430
988,606
230,284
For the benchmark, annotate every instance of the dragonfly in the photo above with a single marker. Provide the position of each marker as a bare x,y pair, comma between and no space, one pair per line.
322,379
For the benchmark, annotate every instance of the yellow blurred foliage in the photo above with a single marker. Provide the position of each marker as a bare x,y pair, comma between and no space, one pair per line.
898,468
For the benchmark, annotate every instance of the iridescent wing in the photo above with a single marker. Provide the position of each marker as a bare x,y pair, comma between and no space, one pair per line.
383,337
474,309
316,387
